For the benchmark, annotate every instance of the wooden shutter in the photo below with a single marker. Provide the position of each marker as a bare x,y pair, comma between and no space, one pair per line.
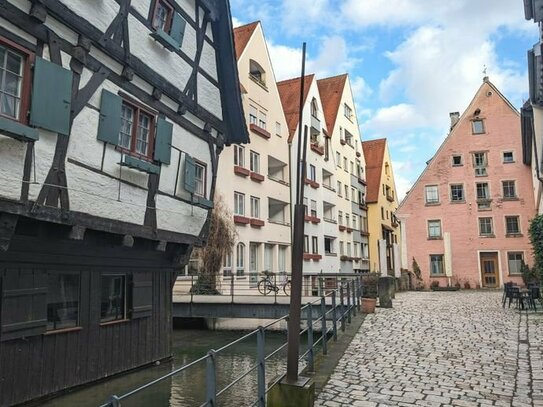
163,141
142,295
51,97
109,124
190,174
177,32
24,304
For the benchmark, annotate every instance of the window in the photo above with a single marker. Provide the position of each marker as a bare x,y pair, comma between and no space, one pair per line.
509,191
240,259
312,172
255,162
200,179
436,265
355,222
356,249
257,72
278,129
328,245
313,208
349,249
62,300
387,169
346,187
353,194
431,194
477,127
480,163
162,17
482,190
347,220
306,205
227,265
339,188
345,167
341,249
262,120
352,168
456,160
268,257
338,159
255,207
340,217
457,193
253,115
113,297
485,227
508,157
314,108
239,204
14,80
347,111
282,259
136,133
382,213
315,244
514,261
434,229
239,155
306,244
253,257
348,138
512,225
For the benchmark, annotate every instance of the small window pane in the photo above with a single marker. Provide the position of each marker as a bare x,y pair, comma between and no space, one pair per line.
457,193
512,224
508,157
434,228
457,160
515,260
62,301
436,264
477,127
125,136
113,300
432,194
142,137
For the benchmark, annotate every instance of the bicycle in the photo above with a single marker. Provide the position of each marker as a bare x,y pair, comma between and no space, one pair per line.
266,286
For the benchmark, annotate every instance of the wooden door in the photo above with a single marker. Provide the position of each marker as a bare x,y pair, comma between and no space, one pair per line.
489,269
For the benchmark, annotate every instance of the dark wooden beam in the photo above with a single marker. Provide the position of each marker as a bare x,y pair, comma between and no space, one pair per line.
8,222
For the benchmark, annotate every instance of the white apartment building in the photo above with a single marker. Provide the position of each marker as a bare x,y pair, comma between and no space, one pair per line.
346,154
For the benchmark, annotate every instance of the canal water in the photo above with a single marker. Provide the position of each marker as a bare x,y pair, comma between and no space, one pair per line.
187,389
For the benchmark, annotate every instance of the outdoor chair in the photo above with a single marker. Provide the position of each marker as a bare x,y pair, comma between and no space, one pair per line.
535,294
514,296
507,293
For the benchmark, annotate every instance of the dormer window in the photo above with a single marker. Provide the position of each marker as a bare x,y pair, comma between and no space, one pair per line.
257,73
314,108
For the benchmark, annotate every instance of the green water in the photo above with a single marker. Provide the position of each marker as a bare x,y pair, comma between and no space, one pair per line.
188,388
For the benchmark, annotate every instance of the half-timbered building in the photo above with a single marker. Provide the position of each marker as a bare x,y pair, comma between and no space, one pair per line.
112,118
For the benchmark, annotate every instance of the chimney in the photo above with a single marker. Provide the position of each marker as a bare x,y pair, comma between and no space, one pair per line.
455,116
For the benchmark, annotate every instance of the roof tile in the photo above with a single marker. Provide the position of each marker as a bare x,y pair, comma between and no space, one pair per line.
242,35
374,153
289,91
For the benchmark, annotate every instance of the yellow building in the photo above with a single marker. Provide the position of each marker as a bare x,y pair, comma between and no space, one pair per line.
382,201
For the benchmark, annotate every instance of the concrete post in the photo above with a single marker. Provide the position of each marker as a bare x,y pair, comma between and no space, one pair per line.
386,291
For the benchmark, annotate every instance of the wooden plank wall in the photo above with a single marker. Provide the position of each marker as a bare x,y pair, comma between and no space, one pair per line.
39,365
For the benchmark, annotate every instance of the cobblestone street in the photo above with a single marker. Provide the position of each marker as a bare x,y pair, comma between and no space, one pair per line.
440,349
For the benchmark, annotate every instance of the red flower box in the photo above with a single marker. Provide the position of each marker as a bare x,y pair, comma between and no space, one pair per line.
260,131
241,171
257,223
241,220
255,176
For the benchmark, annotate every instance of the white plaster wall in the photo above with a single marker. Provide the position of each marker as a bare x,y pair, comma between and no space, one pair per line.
12,154
44,151
98,13
209,96
178,216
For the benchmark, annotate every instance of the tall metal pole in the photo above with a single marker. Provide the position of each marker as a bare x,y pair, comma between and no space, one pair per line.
293,346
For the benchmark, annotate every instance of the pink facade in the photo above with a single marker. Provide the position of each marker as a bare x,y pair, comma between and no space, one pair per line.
466,219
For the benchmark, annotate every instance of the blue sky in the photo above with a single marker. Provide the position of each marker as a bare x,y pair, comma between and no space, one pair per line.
411,62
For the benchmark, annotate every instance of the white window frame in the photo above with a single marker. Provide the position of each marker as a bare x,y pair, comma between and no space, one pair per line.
239,203
255,207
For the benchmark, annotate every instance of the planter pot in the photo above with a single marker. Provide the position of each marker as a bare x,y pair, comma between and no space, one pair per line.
368,305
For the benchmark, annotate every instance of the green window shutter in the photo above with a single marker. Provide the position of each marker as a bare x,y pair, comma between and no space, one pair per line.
51,97
142,295
177,32
24,304
190,174
163,141
109,124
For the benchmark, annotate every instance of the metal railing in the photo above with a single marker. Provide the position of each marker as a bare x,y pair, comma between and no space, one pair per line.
319,317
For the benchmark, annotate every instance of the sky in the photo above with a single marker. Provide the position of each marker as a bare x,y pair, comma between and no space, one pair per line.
410,62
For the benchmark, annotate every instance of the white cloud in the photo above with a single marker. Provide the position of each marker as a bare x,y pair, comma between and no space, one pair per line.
286,61
403,182
393,118
236,22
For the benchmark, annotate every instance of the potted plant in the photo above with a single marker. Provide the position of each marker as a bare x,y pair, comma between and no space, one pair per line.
369,292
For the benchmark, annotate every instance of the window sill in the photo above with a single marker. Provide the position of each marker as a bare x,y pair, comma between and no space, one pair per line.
487,236
275,222
258,82
508,162
119,321
437,275
242,171
514,275
167,42
329,187
260,131
240,219
458,202
278,180
331,254
241,277
257,223
330,220
516,198
513,235
63,331
17,130
257,177
139,164
432,203
435,237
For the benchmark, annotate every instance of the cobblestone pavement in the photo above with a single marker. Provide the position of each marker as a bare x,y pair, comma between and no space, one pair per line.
442,349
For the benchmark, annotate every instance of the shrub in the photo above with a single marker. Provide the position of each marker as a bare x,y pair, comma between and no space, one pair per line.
536,238
467,285
434,284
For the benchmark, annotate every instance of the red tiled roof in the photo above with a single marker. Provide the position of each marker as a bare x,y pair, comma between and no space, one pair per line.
289,91
242,35
374,153
331,91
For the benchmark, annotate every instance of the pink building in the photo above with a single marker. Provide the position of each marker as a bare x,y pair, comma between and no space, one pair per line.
466,218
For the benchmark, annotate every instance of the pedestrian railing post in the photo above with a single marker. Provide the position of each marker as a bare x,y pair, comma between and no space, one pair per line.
349,302
261,357
358,291
211,379
275,290
191,288
342,303
310,355
334,315
353,283
324,328
114,401
232,288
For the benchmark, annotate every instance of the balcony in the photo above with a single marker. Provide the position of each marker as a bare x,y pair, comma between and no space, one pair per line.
277,170
241,171
341,228
362,181
390,198
277,211
312,256
312,219
255,176
259,131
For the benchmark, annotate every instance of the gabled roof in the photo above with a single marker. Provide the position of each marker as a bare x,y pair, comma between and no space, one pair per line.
242,35
469,111
331,91
289,91
374,152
